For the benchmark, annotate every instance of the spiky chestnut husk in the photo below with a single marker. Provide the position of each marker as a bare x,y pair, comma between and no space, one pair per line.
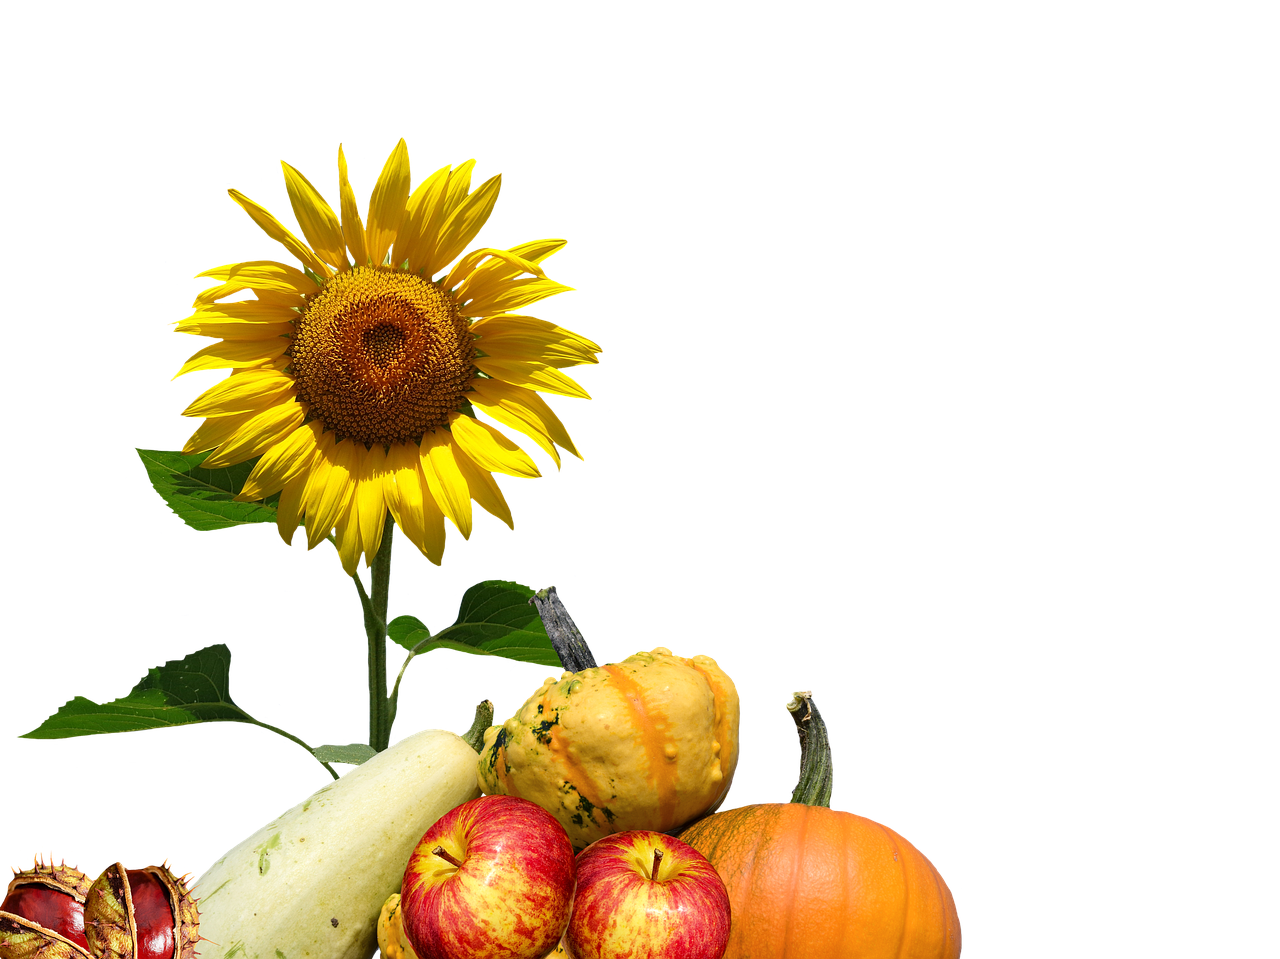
109,920
141,914
43,911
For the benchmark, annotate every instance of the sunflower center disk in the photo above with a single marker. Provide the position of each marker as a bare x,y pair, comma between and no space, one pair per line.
381,356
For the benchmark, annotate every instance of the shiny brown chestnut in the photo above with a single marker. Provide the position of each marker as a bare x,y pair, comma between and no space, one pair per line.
56,913
42,915
140,914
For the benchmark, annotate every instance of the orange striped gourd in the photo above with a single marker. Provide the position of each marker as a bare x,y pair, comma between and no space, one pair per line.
647,743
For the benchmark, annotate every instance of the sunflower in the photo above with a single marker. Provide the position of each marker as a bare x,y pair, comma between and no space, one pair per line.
356,381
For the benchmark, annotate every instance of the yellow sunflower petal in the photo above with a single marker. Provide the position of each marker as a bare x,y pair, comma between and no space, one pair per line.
484,489
445,481
289,507
264,275
235,355
465,222
277,231
358,527
245,311
423,215
459,186
216,430
293,303
352,228
242,392
489,448
513,295
532,339
475,280
534,376
373,504
212,432
324,504
281,464
348,548
525,411
207,297
316,477
538,250
402,487
235,329
463,267
432,529
455,194
488,261
414,508
257,434
318,221
387,204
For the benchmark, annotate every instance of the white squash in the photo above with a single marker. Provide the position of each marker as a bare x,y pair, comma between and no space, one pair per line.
310,884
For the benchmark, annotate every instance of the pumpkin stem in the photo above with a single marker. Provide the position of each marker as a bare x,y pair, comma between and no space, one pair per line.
568,643
814,787
474,737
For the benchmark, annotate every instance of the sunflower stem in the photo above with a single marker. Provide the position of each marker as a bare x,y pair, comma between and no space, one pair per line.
374,604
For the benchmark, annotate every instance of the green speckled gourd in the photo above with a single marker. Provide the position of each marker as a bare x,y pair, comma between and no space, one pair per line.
648,743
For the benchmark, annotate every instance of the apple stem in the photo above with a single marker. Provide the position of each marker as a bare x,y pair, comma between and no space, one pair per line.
440,851
657,858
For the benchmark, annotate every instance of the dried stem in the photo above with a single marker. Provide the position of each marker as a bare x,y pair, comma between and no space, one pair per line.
568,643
443,854
814,786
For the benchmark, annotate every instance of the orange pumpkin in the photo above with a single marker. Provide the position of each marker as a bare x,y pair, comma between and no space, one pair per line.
809,882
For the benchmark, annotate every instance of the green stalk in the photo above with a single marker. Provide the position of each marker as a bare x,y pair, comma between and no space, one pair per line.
814,787
375,627
484,719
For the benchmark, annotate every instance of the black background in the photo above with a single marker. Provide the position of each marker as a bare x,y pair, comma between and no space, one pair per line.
722,507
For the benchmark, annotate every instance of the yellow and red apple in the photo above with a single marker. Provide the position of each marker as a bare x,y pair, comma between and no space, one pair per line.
492,879
646,895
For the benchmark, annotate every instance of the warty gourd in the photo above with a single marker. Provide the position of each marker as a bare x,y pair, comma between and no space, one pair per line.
647,743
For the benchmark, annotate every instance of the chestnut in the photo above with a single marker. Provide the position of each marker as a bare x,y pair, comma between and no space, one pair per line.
43,914
54,912
140,914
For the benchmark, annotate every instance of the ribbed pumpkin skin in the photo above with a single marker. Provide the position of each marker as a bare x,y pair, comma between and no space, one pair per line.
807,882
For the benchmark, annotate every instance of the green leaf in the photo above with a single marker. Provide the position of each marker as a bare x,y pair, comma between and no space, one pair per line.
344,753
205,499
495,619
182,691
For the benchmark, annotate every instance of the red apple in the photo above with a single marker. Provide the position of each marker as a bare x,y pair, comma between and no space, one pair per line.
644,895
492,879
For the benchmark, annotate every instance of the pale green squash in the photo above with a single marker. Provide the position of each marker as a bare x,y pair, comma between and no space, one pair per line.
310,884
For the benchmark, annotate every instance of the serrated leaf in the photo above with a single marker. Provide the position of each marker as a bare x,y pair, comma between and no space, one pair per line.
194,689
495,619
204,499
353,754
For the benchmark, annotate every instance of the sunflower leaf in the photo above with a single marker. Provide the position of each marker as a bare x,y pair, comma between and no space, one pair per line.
189,690
495,619
204,499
